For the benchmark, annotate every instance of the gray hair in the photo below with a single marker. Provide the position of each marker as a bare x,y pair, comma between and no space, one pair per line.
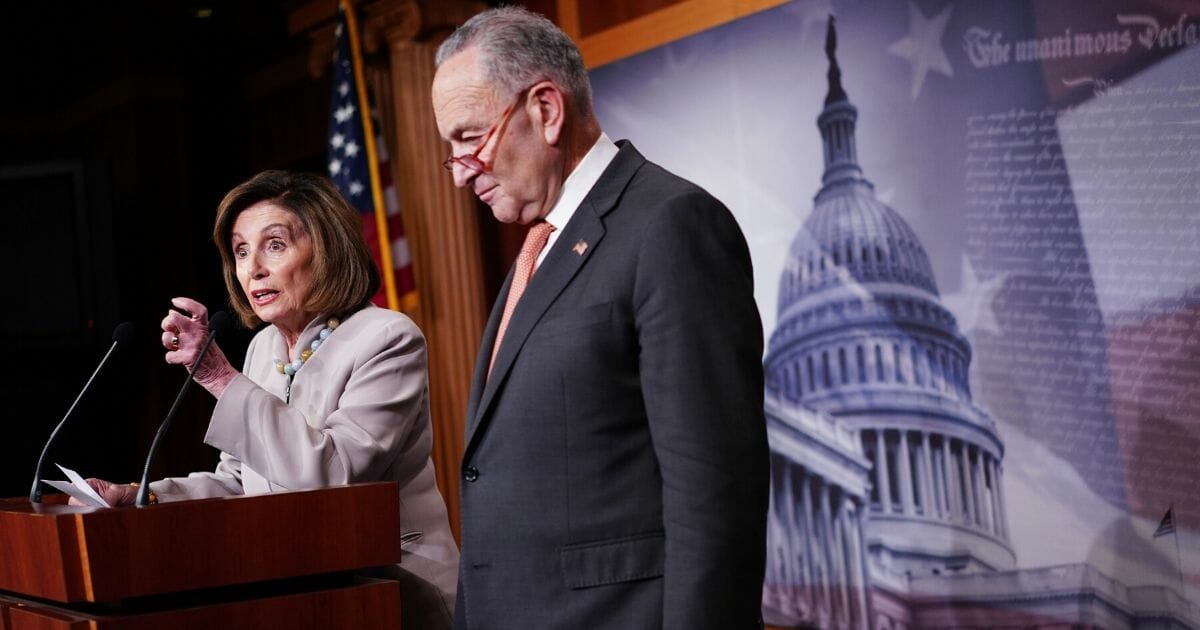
521,48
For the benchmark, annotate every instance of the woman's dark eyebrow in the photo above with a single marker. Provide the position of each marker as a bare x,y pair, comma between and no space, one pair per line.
287,228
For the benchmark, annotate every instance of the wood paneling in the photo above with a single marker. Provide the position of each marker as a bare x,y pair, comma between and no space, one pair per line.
601,16
651,24
442,222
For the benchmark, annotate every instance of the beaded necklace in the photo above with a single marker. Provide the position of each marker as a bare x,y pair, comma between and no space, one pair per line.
289,369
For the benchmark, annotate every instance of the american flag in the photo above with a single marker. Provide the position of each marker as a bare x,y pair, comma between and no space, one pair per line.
370,190
1167,525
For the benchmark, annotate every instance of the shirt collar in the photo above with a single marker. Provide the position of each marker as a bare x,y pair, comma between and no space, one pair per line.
581,180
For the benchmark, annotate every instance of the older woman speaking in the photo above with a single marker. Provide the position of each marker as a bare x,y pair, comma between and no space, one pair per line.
333,389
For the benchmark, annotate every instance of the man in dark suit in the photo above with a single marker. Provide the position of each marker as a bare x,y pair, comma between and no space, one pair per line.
616,471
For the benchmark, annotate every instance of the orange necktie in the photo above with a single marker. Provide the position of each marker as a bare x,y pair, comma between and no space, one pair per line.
535,240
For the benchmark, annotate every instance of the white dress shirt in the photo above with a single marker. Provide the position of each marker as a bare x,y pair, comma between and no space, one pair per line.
578,184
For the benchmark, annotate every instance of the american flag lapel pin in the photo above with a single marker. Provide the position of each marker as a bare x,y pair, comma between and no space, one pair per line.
580,247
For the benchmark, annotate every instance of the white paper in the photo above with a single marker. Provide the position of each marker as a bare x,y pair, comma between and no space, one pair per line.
77,488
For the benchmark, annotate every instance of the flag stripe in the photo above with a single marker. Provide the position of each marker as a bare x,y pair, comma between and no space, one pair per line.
405,283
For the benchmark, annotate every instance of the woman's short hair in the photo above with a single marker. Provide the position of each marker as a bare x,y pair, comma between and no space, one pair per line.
343,275
521,48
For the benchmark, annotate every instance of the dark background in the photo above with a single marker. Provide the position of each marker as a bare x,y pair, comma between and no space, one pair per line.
122,125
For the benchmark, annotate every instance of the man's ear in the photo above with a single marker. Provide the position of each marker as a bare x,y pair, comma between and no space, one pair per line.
548,114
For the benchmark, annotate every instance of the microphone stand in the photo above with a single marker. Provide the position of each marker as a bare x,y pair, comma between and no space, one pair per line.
215,325
120,334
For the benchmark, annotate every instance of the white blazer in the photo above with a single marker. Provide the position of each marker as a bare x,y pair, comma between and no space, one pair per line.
358,411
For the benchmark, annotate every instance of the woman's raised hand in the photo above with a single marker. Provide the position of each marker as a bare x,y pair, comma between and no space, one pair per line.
184,333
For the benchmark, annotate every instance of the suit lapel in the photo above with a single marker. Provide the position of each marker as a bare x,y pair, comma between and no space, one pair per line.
554,274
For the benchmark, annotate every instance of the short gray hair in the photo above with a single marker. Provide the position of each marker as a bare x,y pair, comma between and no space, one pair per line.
521,48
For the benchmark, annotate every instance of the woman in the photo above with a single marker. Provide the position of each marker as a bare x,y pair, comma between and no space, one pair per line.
333,389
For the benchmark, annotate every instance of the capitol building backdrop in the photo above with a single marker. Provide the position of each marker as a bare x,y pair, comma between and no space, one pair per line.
977,275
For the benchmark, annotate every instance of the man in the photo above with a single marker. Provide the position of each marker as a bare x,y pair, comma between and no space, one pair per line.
615,473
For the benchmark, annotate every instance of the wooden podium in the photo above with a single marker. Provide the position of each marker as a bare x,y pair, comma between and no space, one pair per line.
280,560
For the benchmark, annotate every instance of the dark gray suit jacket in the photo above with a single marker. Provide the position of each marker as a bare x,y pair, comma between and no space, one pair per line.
615,473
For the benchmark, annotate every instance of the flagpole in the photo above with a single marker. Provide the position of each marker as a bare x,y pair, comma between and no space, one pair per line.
1179,565
381,226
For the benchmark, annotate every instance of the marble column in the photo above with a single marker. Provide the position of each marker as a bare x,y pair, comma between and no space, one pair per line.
827,543
985,494
838,593
964,478
1000,500
869,357
935,370
997,513
810,544
864,571
848,577
782,508
796,555
952,503
797,542
928,489
928,495
881,472
904,473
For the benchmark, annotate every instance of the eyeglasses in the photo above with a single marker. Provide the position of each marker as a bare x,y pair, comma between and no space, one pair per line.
471,161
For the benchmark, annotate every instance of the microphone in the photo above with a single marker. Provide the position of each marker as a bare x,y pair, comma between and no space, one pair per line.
120,335
216,325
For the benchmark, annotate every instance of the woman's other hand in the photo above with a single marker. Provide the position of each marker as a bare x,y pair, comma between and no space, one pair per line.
116,494
183,337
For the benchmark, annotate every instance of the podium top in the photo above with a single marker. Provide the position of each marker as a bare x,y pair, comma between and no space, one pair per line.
75,554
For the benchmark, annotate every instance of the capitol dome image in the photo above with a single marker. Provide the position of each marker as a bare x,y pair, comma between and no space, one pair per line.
887,503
